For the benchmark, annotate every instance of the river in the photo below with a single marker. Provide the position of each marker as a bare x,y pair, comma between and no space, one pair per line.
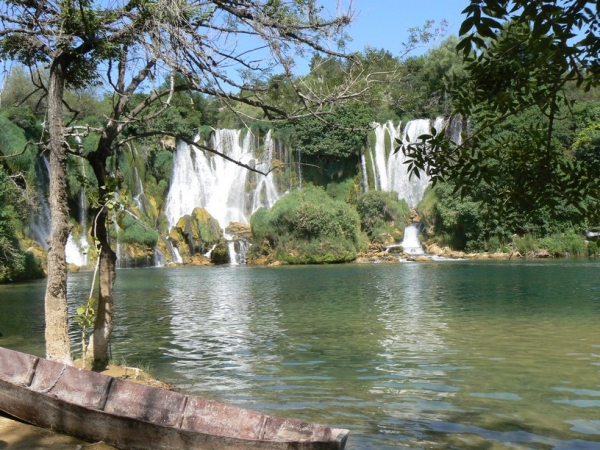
451,354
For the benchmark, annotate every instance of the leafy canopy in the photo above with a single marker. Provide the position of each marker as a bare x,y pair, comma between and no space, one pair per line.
522,57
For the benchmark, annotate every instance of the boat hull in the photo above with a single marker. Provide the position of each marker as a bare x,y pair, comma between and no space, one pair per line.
128,415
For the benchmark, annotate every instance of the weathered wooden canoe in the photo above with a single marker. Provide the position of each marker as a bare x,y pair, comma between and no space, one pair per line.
128,415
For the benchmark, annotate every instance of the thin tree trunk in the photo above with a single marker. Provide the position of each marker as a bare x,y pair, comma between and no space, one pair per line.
58,345
107,274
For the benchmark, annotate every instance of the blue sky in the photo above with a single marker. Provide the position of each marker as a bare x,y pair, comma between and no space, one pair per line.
384,23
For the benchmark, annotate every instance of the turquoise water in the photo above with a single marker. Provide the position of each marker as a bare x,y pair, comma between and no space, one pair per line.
431,355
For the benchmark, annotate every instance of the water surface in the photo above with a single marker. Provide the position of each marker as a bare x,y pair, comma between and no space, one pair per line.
432,355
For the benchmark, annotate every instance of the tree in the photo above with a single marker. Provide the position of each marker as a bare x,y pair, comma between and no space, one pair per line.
519,55
136,43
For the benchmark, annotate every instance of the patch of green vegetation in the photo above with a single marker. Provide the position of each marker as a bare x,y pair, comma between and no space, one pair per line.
307,227
382,215
133,231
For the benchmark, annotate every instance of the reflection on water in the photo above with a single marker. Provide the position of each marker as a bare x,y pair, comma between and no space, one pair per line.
433,355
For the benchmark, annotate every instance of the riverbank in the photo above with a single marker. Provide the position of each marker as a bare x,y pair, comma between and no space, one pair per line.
18,435
378,253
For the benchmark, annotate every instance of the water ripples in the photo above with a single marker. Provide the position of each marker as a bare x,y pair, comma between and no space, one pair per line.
434,355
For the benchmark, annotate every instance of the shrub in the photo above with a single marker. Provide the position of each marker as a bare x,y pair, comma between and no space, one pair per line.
381,212
592,248
345,191
133,231
525,244
307,226
569,243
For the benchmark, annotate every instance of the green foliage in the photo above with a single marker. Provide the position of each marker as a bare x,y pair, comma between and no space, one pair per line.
346,191
525,62
85,318
424,89
381,213
592,248
568,243
133,231
261,228
12,258
525,244
307,227
461,221
345,134
12,142
564,244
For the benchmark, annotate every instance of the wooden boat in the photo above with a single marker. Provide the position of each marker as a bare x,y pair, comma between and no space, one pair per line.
128,415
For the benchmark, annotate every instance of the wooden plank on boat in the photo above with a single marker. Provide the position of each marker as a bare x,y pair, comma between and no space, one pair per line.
129,415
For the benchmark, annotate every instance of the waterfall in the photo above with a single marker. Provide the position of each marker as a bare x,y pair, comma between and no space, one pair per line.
411,244
139,197
74,252
77,250
159,258
230,193
173,251
363,167
387,166
265,193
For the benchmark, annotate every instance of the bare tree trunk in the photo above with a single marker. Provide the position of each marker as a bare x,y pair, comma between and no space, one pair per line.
104,319
58,345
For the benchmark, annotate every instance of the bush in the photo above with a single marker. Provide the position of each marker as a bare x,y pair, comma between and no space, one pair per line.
135,232
494,244
345,191
592,248
307,226
564,244
381,212
524,244
259,223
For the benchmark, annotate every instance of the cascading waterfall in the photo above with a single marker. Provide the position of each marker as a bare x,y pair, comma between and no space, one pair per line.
77,249
139,197
231,193
389,173
159,259
204,180
411,244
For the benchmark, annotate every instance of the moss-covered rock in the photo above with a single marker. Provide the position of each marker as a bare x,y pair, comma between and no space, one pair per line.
220,254
195,234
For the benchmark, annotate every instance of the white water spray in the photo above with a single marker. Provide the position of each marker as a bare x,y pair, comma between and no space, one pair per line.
411,244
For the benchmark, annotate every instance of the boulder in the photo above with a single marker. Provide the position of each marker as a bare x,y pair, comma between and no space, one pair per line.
220,254
239,231
196,233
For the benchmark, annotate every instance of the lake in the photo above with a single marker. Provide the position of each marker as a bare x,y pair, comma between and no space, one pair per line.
448,354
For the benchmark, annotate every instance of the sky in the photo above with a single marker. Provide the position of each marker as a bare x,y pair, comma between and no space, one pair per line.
384,23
